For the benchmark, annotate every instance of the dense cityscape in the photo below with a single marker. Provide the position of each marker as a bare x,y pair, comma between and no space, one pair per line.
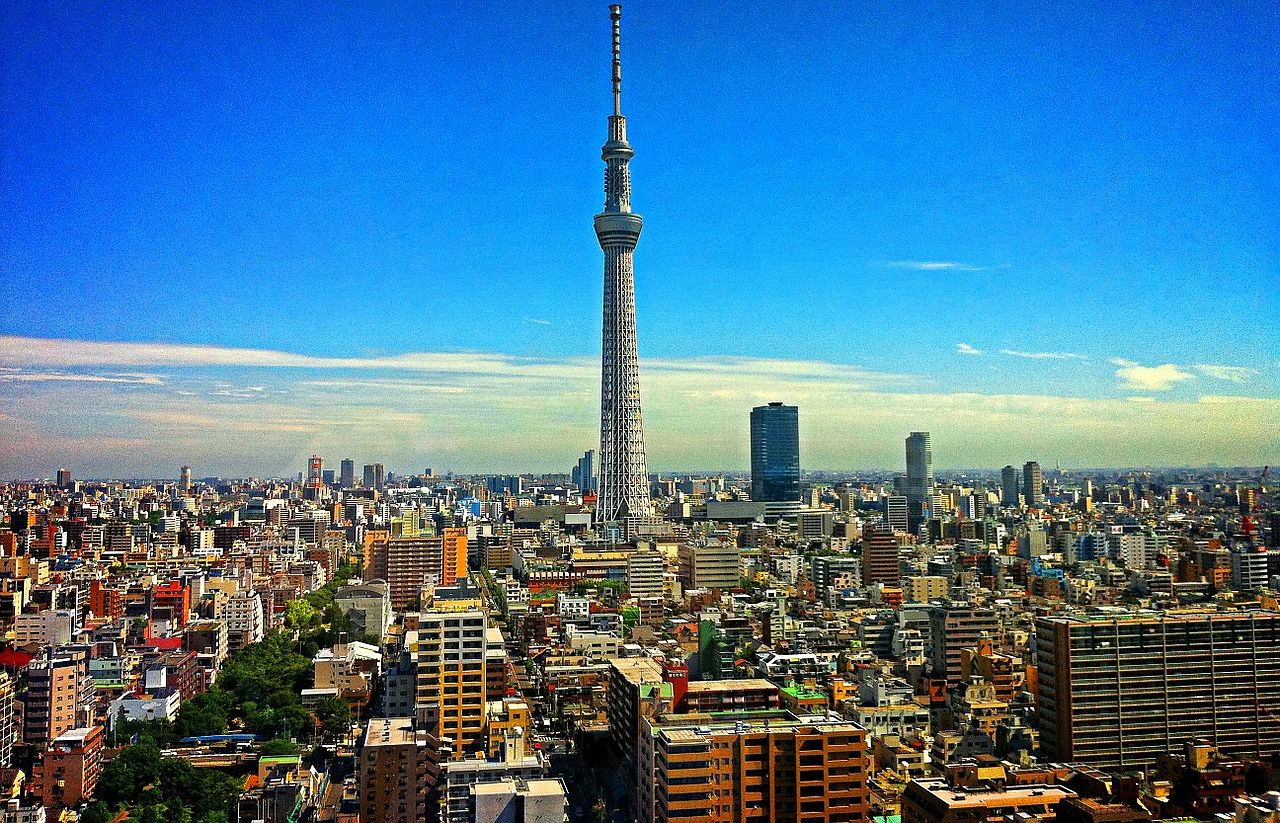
369,642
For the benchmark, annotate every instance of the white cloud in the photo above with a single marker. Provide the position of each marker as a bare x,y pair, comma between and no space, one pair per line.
13,375
965,348
932,265
1235,374
1149,378
515,413
537,320
1045,355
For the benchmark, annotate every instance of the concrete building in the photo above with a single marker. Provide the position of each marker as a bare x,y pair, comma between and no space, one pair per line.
59,698
448,652
880,558
519,801
713,565
1117,691
953,628
398,772
769,766
935,800
646,575
1032,484
42,629
67,772
919,476
367,606
245,619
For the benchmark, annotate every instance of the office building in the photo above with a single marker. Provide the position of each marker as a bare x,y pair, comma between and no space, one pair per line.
775,453
953,628
880,558
1032,484
64,478
895,512
763,766
919,475
646,575
1118,691
184,479
347,473
1009,492
624,477
584,472
714,565
448,653
374,476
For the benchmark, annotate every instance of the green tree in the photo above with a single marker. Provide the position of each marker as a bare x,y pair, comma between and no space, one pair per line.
278,748
334,716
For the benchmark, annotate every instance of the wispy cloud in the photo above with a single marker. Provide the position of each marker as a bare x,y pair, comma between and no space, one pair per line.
932,265
538,321
12,375
1045,355
490,412
1234,374
1149,378
965,348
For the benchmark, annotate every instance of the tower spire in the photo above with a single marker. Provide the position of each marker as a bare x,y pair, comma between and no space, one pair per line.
624,476
615,14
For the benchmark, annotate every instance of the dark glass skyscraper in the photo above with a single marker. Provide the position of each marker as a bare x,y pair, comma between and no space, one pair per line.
775,453
919,475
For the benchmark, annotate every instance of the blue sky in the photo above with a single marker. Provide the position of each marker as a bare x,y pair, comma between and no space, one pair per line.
843,203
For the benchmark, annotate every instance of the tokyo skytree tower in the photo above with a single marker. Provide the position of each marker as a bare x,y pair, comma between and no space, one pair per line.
624,478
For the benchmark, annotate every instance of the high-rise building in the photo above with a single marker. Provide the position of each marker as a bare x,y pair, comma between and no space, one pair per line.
880,558
1032,484
895,512
754,766
919,475
775,453
584,472
646,575
184,479
624,477
953,628
1117,692
58,699
315,472
347,473
8,724
64,478
448,652
409,564
1009,486
374,476
712,565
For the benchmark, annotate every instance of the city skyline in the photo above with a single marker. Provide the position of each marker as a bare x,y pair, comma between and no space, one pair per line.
243,252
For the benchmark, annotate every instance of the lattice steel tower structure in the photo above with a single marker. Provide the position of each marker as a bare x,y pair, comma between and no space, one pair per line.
624,478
